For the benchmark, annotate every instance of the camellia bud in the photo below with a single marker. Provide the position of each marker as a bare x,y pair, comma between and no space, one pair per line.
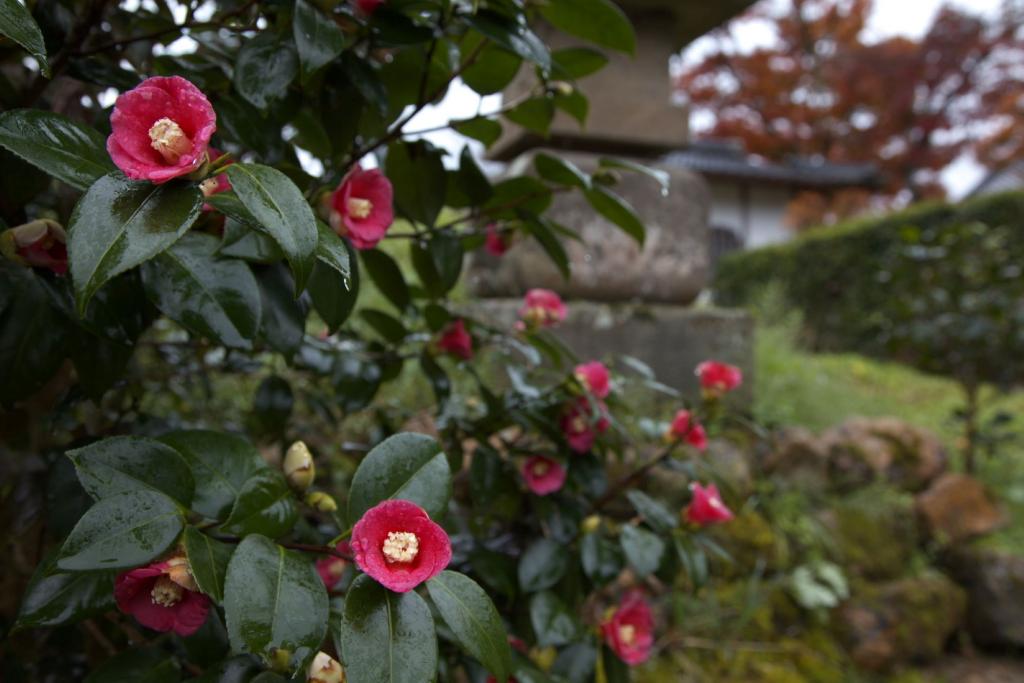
561,88
39,244
325,669
298,466
281,659
590,524
318,500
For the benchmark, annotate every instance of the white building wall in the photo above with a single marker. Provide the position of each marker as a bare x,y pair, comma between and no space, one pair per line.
756,213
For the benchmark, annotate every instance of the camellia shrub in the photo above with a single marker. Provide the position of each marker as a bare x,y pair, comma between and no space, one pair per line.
195,200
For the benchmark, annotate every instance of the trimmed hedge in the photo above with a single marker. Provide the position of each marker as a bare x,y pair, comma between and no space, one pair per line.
937,286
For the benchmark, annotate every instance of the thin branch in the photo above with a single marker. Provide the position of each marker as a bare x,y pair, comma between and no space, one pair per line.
629,480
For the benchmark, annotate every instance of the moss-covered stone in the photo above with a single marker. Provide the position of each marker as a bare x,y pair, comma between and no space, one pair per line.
752,544
874,532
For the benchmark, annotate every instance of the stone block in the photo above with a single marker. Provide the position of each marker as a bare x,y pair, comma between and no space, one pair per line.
957,508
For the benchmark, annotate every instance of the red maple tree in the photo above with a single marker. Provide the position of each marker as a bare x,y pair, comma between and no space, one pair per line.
825,90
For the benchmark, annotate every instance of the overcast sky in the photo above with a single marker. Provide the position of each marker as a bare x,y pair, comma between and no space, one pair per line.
891,17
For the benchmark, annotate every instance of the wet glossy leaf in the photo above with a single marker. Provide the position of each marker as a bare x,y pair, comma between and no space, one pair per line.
208,561
387,637
416,171
53,598
661,177
265,505
493,69
65,149
406,466
242,241
334,251
615,209
560,171
643,549
386,274
333,296
123,531
131,463
273,598
136,665
213,297
32,342
16,23
283,321
119,224
513,35
318,39
552,621
551,245
265,67
221,465
472,617
542,565
388,327
599,21
240,669
279,207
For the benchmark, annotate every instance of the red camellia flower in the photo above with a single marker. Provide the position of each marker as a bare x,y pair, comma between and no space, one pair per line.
495,242
629,631
594,378
398,545
39,244
455,340
368,6
718,378
161,129
542,308
706,507
163,596
685,428
543,475
361,207
332,567
579,427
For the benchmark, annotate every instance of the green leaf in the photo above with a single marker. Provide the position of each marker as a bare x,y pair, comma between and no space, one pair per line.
575,104
221,465
283,322
513,35
53,598
601,558
273,598
416,172
617,210
483,129
577,62
209,296
472,617
406,466
279,207
642,548
551,245
247,242
333,251
32,333
265,67
265,505
386,274
388,327
133,463
208,562
656,514
598,21
273,403
123,531
560,171
65,149
387,637
16,23
333,296
318,39
240,669
542,565
493,69
150,664
535,114
437,377
661,177
552,621
119,224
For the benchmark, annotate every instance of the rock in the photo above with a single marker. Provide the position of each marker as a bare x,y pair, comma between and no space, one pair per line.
918,457
994,581
800,458
976,670
857,456
671,267
899,622
874,532
956,508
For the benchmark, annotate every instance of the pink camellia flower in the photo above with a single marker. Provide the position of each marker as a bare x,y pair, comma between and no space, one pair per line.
455,340
361,207
706,507
495,242
161,129
543,475
368,7
594,378
629,631
332,567
398,545
718,378
579,427
685,428
541,308
163,596
39,244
